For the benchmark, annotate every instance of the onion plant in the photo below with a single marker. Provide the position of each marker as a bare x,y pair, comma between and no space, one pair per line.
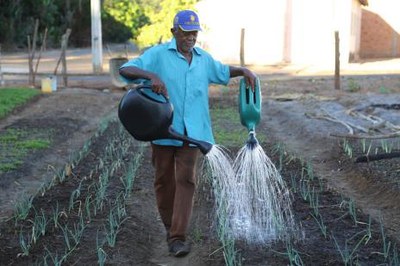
351,209
39,226
75,195
25,245
305,189
101,254
293,255
112,229
56,215
395,257
386,147
22,208
314,201
55,259
88,203
321,224
386,243
348,149
347,252
280,149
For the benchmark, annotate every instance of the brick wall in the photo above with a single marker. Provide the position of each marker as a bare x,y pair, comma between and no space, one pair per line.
379,37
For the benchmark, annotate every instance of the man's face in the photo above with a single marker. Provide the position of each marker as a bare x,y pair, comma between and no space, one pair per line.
185,40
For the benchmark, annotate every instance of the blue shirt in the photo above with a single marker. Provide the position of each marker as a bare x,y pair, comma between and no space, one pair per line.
187,86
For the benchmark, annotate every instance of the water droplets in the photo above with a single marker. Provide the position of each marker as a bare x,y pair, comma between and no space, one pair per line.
252,199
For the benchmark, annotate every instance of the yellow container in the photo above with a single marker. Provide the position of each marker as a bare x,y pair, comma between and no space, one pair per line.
49,84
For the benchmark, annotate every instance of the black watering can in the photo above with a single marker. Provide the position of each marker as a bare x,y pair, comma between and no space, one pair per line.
147,116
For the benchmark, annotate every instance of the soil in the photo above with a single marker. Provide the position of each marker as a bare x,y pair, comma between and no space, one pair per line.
358,201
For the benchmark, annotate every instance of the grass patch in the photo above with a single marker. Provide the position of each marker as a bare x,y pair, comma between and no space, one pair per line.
227,128
15,144
34,144
10,98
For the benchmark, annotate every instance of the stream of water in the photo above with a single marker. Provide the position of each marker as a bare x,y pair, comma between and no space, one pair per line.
252,200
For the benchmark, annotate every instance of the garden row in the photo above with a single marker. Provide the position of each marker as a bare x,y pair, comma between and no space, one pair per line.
88,196
332,230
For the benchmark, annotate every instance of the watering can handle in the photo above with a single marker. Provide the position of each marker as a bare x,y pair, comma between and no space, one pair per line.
143,87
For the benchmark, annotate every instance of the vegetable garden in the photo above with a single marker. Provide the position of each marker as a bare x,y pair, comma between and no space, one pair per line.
98,206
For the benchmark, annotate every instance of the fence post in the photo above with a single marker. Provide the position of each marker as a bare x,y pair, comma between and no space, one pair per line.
337,61
242,62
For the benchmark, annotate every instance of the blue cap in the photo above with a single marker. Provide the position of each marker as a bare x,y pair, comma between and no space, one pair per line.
187,20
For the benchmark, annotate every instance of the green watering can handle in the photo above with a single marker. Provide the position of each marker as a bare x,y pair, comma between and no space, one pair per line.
249,104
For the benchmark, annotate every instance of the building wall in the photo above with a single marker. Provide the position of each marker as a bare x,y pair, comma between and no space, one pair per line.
299,31
292,31
262,20
380,29
314,23
355,31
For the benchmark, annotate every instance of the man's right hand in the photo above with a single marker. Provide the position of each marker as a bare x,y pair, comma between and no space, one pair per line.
131,72
158,86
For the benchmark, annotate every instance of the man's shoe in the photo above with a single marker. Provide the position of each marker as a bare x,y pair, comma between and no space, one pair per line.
179,248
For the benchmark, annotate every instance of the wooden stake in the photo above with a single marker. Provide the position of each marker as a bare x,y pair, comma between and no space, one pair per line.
337,61
242,62
64,42
40,54
31,51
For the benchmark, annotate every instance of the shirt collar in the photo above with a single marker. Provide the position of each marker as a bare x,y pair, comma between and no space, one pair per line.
172,46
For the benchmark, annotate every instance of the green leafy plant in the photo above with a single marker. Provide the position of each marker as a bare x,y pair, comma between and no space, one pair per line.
384,90
353,85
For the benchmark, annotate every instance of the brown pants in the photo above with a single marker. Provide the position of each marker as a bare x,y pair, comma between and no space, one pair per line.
175,178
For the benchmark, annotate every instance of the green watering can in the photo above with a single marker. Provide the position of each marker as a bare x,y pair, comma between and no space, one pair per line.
250,108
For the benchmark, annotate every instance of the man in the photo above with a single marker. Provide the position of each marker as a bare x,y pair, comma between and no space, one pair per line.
183,73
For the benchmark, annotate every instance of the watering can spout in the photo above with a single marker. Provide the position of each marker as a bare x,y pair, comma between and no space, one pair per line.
203,146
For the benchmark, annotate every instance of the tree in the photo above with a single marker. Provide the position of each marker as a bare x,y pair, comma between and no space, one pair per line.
158,30
125,15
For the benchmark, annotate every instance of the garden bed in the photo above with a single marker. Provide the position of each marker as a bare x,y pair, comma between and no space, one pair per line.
103,187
